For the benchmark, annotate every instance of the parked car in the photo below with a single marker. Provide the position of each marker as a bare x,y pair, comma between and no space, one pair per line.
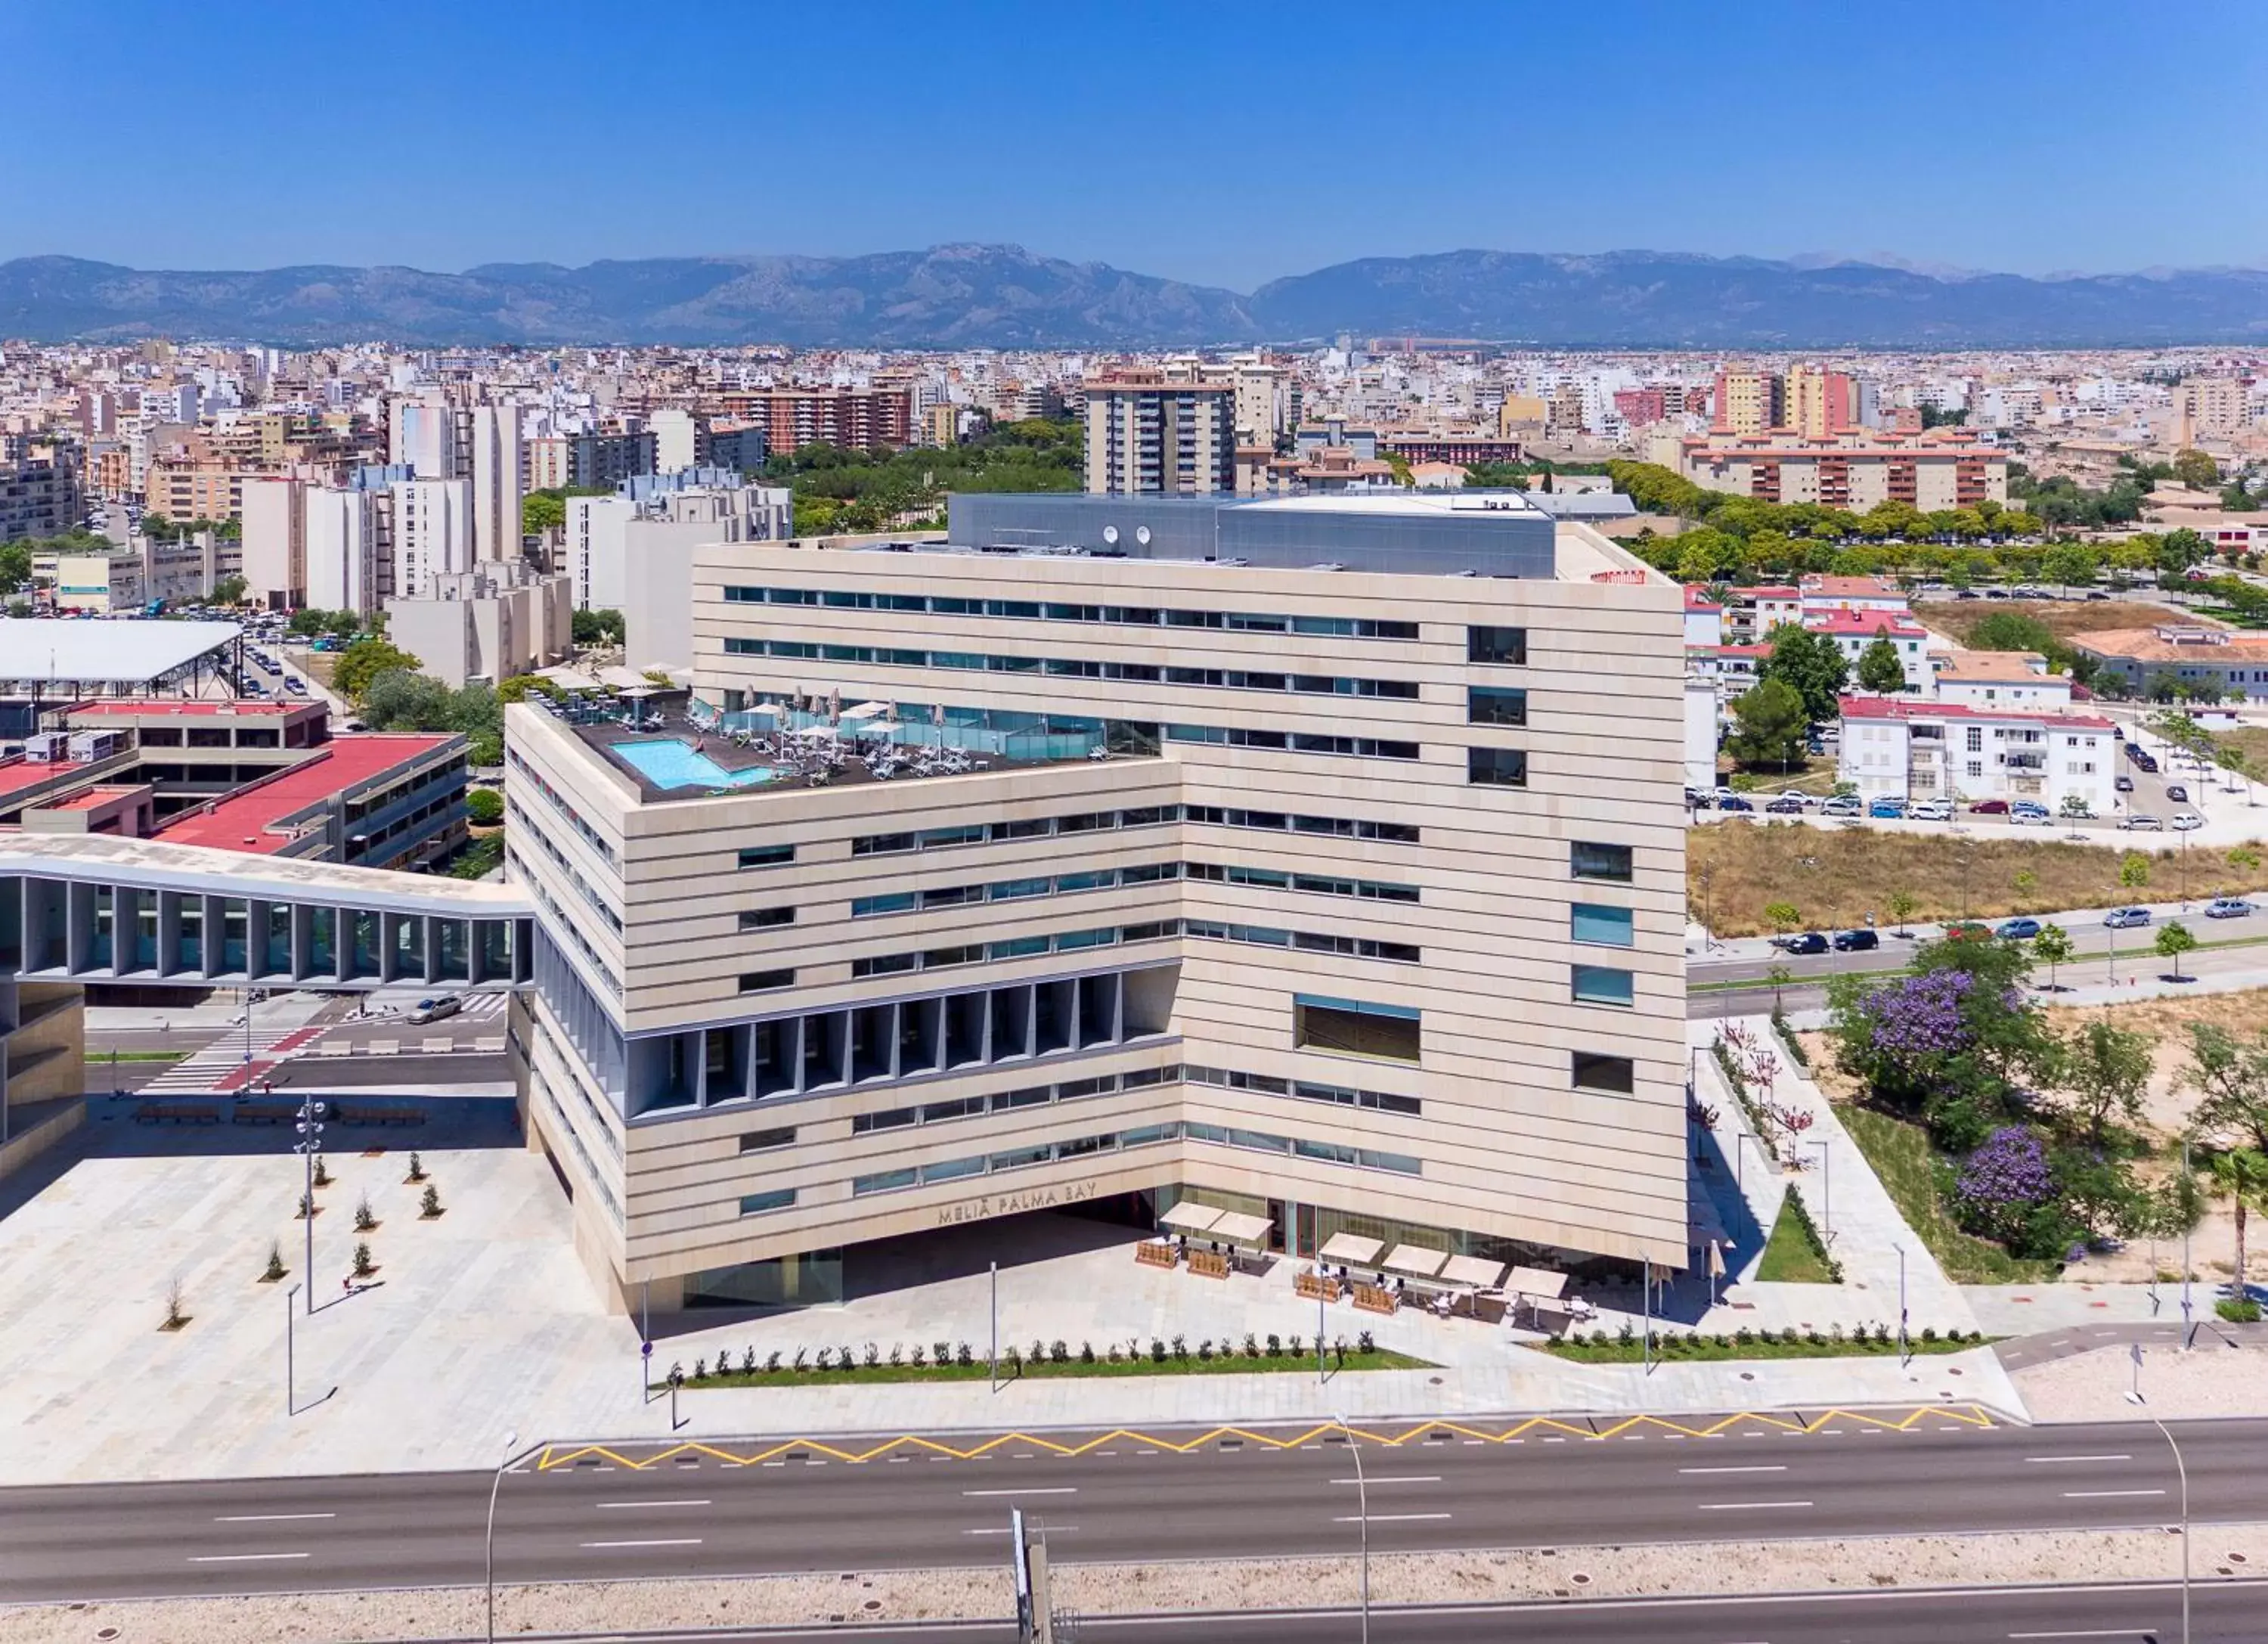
1809,942
1845,805
2017,930
1856,941
1930,810
2097,593
433,1009
1968,594
2185,821
2227,908
1968,931
2141,821
1989,807
1735,803
2125,918
1720,794
1889,810
1784,806
2124,783
2177,793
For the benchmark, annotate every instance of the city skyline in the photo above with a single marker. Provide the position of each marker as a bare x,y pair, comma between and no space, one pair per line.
991,125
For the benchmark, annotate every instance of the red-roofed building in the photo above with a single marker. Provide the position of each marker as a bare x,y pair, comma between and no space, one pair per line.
1905,748
365,800
1704,618
1853,631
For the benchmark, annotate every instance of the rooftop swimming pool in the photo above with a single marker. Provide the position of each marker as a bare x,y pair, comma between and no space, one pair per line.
671,763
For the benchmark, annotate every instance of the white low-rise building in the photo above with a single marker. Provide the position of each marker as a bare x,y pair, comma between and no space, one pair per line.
1897,747
1853,631
1993,680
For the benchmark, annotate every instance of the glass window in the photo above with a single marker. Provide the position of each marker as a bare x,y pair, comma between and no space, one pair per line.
765,919
1601,985
757,1204
1497,767
1587,859
766,855
1617,1075
896,902
1608,927
761,981
1486,704
887,1119
882,844
1354,1027
882,1182
1508,646
759,1141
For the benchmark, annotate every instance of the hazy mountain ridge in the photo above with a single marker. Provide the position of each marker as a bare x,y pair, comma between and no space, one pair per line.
967,296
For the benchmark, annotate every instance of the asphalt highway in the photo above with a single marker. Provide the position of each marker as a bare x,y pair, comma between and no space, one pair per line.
1123,1500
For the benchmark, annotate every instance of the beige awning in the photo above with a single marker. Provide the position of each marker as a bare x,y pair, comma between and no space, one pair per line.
1238,1229
1415,1260
1350,1249
1539,1282
1479,1272
1189,1217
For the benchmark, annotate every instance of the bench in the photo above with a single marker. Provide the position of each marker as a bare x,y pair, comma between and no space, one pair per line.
265,1113
1151,1254
1208,1265
1375,1299
380,1113
1317,1287
177,1113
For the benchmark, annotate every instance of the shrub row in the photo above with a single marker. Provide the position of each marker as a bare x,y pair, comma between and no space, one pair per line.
820,1362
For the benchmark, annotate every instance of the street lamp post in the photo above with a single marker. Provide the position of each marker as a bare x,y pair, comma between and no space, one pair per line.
1905,1353
291,1398
2187,1327
2181,1472
1362,1507
510,1440
309,1148
1826,1189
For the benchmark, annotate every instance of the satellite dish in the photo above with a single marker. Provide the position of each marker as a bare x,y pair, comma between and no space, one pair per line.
1111,535
1142,535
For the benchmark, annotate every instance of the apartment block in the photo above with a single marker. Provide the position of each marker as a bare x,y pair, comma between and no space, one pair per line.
1747,402
433,533
1319,857
1895,748
858,419
1941,469
1147,436
487,620
38,497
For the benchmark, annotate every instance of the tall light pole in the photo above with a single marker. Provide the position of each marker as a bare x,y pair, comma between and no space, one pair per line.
1826,1190
2182,1471
1362,1506
2187,1327
1905,1354
510,1439
291,1399
309,1147
994,1377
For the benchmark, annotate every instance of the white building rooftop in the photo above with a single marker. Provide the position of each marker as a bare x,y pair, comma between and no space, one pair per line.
52,651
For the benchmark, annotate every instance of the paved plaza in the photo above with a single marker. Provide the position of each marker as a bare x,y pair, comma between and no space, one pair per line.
482,1323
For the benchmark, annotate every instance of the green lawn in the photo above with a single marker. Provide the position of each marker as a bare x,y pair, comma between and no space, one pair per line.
135,1056
1900,1154
1724,1347
1220,1364
1791,1255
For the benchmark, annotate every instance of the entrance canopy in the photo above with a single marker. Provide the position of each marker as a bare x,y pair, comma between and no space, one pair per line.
1188,1217
1415,1260
1540,1282
1350,1249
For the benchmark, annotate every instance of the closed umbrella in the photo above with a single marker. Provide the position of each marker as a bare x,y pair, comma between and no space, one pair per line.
1716,1267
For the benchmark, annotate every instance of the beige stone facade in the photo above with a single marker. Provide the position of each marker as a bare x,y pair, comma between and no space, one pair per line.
1283,939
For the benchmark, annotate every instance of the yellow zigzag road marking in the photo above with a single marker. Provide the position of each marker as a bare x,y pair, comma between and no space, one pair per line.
557,1456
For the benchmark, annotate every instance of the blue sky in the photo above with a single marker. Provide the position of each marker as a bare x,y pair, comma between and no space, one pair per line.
1219,143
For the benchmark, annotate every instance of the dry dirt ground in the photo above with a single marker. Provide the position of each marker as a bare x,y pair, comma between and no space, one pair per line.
1734,870
2216,1378
1957,618
2223,1551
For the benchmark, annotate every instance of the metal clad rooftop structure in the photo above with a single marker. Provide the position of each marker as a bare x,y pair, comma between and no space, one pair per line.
1424,532
48,652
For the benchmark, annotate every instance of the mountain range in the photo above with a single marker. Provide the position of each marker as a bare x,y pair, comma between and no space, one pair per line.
970,296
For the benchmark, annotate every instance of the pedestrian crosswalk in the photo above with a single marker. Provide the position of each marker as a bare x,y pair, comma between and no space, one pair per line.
223,1066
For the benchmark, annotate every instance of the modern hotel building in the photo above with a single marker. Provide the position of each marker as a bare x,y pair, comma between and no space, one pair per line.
1320,857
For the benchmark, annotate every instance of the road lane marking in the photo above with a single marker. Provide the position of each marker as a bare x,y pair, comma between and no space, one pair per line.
693,1541
245,1557
1008,1529
269,1518
1762,1468
2090,1495
1744,1506
2099,1632
1067,1489
1388,1518
606,1505
2046,1460
1404,1479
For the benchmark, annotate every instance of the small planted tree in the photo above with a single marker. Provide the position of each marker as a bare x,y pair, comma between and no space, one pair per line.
2052,945
1783,917
176,1309
276,1269
2174,940
430,1206
363,1265
416,1169
1900,904
322,1172
365,1219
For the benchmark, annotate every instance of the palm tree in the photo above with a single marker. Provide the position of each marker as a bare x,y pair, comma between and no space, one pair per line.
2242,1173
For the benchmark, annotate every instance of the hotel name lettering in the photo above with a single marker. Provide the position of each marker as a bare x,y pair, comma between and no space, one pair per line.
1014,1204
